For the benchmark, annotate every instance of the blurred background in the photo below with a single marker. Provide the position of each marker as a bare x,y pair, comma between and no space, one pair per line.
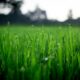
39,11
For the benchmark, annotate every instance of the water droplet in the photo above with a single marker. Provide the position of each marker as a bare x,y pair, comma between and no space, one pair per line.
22,69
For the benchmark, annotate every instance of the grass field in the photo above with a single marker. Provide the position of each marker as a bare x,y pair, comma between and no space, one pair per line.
39,53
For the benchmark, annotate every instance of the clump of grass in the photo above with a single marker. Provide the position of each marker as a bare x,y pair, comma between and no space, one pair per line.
39,53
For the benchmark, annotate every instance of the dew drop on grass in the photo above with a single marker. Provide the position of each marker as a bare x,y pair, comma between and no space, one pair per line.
46,59
22,69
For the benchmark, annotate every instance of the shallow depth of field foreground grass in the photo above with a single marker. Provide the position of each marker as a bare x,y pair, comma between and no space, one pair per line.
40,53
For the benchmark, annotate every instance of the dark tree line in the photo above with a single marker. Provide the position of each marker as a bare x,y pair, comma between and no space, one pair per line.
14,3
15,15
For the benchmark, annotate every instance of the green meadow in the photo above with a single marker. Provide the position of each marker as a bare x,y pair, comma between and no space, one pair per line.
39,53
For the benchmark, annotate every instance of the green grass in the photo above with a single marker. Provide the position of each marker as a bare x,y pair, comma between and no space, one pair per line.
40,53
